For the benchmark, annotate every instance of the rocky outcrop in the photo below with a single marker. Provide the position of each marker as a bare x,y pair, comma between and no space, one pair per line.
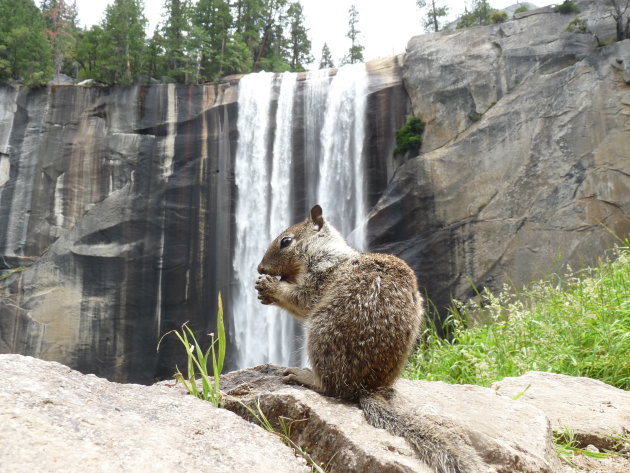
505,435
55,419
525,163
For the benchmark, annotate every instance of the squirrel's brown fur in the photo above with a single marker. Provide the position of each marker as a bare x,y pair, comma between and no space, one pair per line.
363,313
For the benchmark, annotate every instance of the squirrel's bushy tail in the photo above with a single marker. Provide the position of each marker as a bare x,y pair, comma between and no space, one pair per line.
435,443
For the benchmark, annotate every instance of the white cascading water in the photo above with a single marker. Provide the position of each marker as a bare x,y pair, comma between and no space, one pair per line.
341,186
252,216
279,326
334,121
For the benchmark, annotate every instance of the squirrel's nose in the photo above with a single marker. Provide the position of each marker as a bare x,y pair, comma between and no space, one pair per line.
261,269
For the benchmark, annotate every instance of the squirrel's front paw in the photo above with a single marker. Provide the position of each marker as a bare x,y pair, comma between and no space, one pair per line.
266,286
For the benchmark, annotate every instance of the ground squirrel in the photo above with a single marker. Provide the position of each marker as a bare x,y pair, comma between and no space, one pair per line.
363,313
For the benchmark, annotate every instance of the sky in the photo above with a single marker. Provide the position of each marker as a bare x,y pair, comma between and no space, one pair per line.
385,27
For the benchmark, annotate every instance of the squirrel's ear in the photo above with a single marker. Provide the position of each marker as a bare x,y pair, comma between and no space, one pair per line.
316,216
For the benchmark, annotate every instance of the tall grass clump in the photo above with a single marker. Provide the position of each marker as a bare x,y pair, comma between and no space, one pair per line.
576,325
197,360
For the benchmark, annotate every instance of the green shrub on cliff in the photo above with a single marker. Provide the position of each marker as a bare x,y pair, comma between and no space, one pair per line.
409,137
567,7
577,325
521,9
498,16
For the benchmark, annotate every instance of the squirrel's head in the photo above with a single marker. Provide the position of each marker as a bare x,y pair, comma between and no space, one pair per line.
287,255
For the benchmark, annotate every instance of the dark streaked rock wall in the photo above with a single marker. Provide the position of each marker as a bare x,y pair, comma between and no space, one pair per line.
117,203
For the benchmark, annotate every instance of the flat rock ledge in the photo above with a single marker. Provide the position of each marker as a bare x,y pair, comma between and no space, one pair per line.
55,419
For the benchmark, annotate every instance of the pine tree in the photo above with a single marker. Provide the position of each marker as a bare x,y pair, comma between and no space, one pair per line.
271,53
481,14
299,42
154,56
123,42
434,13
247,14
179,45
355,53
212,21
327,61
61,24
89,55
24,50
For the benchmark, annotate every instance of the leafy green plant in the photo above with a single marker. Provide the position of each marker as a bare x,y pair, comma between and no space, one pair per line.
577,25
567,446
498,16
285,434
567,7
409,137
577,325
521,9
197,366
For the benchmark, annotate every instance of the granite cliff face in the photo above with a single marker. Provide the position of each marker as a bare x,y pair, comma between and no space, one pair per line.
117,205
114,203
525,165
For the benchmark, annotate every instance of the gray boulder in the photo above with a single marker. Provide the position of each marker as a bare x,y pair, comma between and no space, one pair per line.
58,420
504,435
593,411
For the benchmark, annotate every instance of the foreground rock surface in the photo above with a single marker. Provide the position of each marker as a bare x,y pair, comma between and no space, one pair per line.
506,435
592,410
57,420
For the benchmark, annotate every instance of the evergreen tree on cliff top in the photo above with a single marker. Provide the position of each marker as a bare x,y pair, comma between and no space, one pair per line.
299,42
24,48
123,42
481,14
355,53
61,26
434,13
178,42
259,27
327,61
271,53
212,21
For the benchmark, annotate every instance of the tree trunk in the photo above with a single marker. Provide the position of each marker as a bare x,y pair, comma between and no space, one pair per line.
263,45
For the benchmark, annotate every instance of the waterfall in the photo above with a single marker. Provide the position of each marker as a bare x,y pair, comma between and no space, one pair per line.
334,121
253,325
341,186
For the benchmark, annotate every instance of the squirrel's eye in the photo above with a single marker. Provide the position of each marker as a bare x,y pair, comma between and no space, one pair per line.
286,241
